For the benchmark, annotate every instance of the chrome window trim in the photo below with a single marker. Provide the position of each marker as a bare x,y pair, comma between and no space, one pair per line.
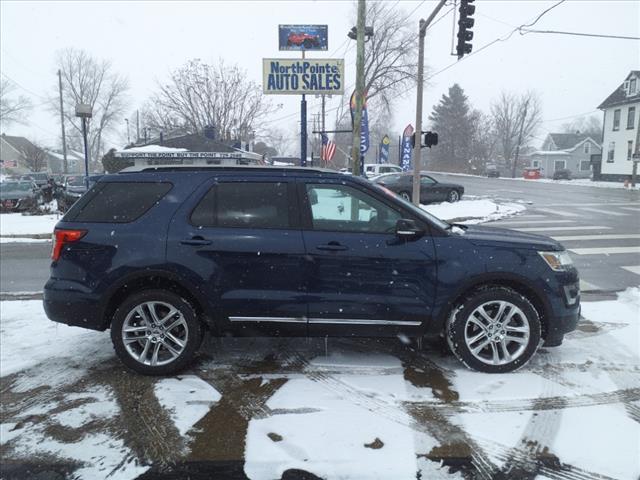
327,321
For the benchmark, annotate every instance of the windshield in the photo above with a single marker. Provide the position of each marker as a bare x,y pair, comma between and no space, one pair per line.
16,186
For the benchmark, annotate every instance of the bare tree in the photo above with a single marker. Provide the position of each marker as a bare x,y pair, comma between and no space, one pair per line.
12,108
88,80
483,141
390,55
516,119
35,157
198,95
590,126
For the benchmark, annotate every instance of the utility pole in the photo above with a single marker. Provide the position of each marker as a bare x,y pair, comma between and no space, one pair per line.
137,126
303,127
323,112
634,169
357,115
515,160
422,31
64,138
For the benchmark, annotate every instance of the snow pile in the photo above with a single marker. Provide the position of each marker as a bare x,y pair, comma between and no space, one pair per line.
473,211
15,224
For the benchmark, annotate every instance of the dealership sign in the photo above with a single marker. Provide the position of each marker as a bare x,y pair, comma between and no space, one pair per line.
295,77
303,37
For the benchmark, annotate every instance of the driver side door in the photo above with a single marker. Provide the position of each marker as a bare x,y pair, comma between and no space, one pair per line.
362,278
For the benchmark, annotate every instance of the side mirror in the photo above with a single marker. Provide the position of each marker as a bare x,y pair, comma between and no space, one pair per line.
407,228
313,197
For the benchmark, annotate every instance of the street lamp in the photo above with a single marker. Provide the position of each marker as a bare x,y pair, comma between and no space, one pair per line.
128,137
85,111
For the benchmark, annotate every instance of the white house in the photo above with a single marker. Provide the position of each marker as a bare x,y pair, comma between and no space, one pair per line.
621,118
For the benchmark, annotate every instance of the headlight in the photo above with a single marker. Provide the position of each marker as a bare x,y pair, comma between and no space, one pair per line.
558,261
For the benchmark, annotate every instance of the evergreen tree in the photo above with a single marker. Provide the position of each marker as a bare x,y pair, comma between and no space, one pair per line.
453,120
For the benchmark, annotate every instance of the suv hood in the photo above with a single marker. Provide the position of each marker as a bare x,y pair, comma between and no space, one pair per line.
493,236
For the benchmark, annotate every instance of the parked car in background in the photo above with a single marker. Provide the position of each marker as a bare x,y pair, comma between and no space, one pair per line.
19,196
493,173
162,255
431,190
375,169
40,178
72,188
562,174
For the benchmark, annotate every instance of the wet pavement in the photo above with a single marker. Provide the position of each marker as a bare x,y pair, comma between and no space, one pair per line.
347,408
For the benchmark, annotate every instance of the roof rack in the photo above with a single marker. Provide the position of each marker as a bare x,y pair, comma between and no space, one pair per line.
197,168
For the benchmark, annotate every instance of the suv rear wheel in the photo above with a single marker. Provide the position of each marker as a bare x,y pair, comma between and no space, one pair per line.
494,330
156,332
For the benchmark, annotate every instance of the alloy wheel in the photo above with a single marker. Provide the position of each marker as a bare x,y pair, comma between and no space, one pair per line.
155,333
497,332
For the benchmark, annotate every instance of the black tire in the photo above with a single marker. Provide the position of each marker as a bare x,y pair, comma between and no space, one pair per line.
189,331
453,196
461,325
307,43
405,195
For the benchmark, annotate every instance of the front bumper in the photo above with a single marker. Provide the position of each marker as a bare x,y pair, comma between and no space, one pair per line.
66,302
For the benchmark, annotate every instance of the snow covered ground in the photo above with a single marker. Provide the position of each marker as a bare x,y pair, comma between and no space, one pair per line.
364,409
15,224
582,182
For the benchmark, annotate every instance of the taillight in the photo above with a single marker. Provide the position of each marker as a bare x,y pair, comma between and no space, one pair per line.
61,237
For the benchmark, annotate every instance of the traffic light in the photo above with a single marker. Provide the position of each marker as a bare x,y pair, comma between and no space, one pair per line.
429,139
465,23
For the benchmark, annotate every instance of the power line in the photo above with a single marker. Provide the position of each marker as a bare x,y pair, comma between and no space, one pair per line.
569,117
578,34
46,100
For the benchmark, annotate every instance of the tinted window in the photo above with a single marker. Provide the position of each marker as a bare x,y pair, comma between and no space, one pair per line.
118,202
340,208
247,205
424,180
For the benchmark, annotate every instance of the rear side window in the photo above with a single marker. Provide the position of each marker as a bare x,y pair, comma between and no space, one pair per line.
244,205
118,202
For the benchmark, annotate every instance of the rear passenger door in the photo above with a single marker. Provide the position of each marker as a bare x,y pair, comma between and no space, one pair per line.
242,240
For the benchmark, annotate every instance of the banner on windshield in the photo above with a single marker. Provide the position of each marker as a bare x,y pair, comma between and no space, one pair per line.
286,76
303,37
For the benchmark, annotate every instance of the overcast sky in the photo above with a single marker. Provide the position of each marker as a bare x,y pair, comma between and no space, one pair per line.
146,39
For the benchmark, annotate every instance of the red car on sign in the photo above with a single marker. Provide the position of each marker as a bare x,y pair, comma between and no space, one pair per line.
303,39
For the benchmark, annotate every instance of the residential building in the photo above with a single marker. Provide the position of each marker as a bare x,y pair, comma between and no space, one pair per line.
565,151
19,155
621,118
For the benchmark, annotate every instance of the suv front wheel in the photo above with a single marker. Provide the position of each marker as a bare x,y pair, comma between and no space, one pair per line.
156,332
494,330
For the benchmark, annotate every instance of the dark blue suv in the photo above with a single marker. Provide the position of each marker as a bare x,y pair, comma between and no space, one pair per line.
163,254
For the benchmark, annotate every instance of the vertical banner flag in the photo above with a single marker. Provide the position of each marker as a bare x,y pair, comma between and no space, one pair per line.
364,124
328,149
405,161
384,149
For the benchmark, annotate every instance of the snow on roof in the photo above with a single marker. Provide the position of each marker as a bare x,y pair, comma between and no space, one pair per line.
153,149
557,153
282,164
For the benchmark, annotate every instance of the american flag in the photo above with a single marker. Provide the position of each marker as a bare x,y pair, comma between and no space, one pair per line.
328,149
